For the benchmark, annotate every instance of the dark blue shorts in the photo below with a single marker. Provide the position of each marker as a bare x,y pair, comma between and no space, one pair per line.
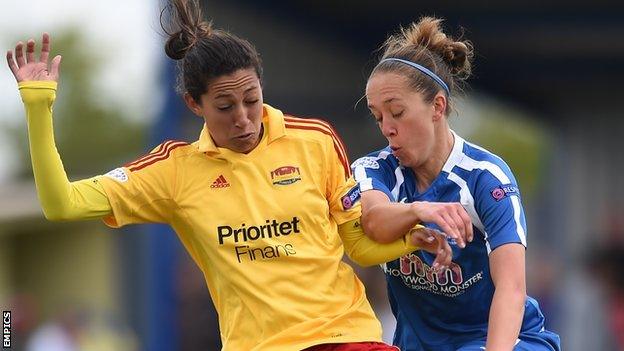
541,341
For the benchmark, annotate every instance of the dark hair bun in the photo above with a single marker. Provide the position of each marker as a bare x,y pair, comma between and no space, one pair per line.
427,33
186,26
177,46
458,56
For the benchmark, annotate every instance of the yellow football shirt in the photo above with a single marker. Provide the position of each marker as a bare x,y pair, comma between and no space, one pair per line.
262,227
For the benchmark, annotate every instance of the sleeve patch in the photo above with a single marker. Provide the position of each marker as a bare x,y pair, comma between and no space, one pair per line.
366,162
351,198
502,191
118,174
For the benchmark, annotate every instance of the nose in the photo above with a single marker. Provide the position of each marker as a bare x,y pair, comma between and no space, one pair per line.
241,118
388,129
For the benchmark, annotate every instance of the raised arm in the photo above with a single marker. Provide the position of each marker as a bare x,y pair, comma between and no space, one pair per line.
37,81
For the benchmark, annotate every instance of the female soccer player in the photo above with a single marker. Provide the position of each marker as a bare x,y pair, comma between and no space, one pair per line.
262,202
480,301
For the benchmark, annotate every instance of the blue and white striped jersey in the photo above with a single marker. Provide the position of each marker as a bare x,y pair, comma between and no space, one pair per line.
450,308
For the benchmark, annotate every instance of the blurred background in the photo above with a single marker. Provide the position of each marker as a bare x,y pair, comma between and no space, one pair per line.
546,96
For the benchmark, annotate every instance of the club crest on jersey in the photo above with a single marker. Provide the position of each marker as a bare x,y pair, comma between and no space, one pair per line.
500,192
118,174
285,175
366,162
351,197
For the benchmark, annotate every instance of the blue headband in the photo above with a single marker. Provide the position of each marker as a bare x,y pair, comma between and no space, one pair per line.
424,70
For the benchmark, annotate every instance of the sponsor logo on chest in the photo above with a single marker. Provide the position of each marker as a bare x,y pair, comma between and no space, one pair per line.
250,241
418,275
285,175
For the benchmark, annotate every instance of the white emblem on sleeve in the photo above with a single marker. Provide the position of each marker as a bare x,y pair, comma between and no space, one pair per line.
119,174
366,162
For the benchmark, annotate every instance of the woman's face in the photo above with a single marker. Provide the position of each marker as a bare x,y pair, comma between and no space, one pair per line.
232,109
404,118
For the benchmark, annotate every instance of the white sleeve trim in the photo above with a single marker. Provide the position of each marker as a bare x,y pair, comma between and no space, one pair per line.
470,164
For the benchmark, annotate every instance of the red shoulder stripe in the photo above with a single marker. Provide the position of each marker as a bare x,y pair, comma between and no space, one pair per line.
317,122
341,157
322,122
160,151
161,156
328,125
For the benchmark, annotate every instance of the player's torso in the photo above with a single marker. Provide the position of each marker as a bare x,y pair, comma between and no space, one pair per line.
259,226
258,209
460,295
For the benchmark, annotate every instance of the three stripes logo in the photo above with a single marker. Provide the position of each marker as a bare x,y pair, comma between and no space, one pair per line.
220,182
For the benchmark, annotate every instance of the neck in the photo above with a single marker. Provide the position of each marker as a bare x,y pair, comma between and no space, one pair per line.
427,172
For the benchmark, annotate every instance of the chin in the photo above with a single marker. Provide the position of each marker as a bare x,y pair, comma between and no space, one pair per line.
405,162
246,147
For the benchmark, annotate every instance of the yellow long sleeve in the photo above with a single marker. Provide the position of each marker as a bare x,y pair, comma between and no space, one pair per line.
60,199
366,252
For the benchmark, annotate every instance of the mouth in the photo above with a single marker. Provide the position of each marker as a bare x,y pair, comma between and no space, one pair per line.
397,151
244,137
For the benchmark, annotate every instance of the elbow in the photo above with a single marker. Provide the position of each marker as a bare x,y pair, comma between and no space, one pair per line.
514,295
56,214
360,261
374,230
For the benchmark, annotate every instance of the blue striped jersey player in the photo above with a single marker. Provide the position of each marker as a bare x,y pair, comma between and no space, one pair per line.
441,311
430,175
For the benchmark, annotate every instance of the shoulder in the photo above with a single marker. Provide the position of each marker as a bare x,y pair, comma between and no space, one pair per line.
484,165
161,155
317,131
485,174
311,128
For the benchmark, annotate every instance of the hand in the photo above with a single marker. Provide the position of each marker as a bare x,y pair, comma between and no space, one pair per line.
30,69
433,242
451,217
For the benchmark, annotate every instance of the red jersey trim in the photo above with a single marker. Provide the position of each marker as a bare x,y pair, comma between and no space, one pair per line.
335,135
339,151
162,153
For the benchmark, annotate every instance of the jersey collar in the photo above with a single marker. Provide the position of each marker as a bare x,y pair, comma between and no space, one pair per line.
272,119
456,155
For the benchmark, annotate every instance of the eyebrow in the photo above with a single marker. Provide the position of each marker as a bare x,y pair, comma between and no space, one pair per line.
389,100
227,94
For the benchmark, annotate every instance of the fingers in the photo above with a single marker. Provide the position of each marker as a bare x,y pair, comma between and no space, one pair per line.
467,223
30,51
453,231
19,54
443,256
421,235
459,223
12,64
55,68
455,222
45,48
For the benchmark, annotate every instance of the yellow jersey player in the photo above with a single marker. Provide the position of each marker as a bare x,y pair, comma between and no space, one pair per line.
263,202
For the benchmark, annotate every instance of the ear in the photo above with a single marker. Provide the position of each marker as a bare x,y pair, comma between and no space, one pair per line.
192,104
439,106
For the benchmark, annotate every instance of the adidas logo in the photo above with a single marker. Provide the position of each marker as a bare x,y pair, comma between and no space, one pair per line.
220,182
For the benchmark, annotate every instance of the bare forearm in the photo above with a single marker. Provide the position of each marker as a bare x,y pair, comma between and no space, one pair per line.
388,222
506,313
